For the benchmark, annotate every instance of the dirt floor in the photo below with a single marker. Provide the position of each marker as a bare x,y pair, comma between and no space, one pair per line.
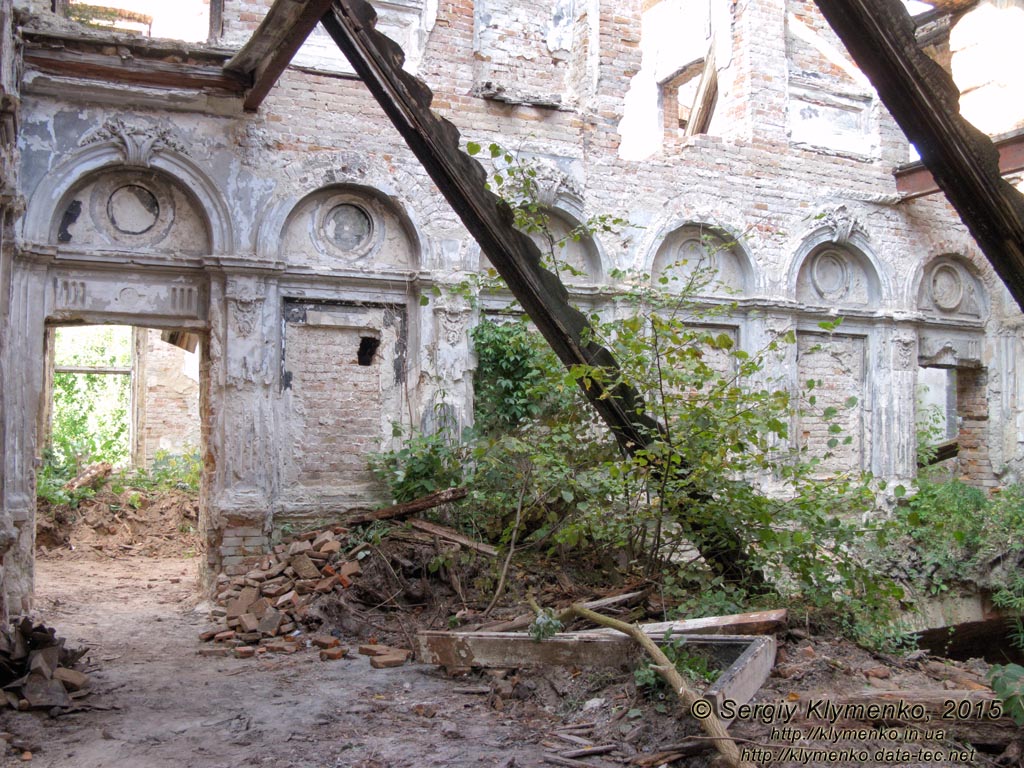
119,576
155,702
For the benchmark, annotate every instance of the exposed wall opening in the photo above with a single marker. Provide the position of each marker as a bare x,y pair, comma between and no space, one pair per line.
181,20
952,422
367,349
120,442
938,422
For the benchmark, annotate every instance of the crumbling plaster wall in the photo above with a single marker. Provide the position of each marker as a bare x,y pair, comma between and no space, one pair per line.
11,204
818,232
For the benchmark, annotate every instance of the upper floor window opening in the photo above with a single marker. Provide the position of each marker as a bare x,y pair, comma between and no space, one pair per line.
187,20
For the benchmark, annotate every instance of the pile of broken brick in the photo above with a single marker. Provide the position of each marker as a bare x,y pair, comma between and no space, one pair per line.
36,670
266,610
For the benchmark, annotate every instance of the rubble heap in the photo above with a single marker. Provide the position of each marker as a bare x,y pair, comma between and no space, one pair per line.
36,670
263,610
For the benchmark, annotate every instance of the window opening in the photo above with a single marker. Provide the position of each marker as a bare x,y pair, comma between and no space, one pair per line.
368,346
182,20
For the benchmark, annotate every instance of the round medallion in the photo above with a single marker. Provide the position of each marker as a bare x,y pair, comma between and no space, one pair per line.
947,287
133,209
830,275
348,226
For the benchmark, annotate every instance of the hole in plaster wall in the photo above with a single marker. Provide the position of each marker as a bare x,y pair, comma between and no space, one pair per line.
71,214
367,349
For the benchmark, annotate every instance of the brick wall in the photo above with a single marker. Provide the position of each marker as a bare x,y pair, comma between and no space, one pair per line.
337,403
167,399
836,364
972,404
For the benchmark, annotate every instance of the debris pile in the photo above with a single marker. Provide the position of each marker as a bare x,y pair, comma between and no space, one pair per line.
263,610
118,520
36,670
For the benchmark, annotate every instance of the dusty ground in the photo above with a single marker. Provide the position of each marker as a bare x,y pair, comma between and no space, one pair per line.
155,702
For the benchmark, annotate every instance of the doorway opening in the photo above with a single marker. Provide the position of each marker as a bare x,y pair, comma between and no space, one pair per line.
952,423
120,443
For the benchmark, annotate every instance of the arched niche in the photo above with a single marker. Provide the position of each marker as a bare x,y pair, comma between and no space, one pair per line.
838,275
704,257
565,248
349,226
130,209
949,287
575,254
119,160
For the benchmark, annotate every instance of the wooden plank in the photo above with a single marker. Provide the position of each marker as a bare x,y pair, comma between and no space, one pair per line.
406,508
89,369
513,650
450,534
526,619
273,45
703,107
463,182
95,66
924,101
745,677
755,623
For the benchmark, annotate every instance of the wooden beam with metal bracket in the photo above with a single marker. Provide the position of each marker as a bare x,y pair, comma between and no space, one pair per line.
273,45
914,180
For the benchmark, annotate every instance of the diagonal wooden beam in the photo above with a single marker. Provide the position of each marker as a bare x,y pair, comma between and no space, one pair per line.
923,99
435,142
273,45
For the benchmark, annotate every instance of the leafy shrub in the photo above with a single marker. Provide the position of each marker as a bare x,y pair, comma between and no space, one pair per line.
961,536
169,471
423,464
540,464
1008,683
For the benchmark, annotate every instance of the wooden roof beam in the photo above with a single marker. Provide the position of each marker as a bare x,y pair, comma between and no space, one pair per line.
135,71
921,96
273,45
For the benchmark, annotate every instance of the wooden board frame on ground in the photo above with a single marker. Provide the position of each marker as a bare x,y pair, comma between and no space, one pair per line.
750,658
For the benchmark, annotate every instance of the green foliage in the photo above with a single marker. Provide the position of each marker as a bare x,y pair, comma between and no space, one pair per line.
169,471
516,371
960,536
929,432
50,481
688,661
1008,683
90,418
423,464
545,625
